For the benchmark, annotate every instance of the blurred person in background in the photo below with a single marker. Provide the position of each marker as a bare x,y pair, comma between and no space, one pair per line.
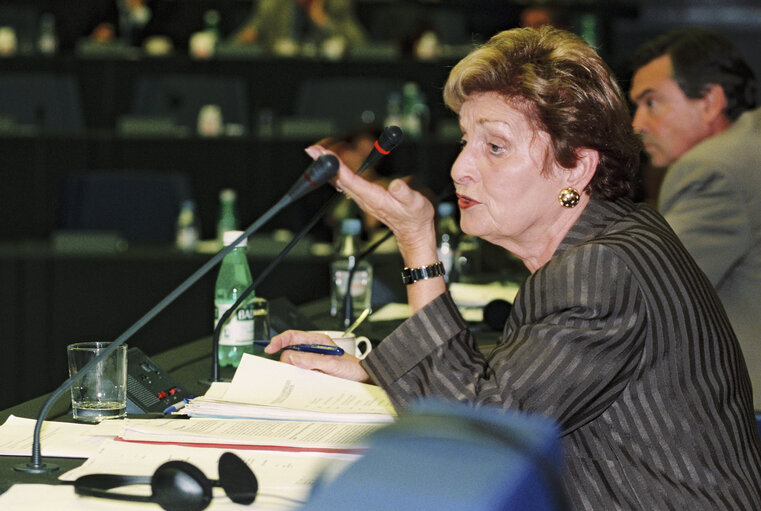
282,25
695,100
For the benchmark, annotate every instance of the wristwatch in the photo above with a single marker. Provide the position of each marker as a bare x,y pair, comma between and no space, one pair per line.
412,275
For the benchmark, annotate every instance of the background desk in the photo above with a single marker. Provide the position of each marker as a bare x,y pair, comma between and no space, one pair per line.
51,299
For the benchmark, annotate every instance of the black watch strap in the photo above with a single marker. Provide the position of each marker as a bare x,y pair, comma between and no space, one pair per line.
412,275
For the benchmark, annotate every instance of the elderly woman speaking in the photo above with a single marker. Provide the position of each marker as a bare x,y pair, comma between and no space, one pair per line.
616,334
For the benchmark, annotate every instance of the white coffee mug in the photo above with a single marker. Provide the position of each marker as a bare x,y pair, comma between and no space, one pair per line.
351,344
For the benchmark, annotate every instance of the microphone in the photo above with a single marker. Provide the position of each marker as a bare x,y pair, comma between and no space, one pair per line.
387,141
389,138
319,172
322,170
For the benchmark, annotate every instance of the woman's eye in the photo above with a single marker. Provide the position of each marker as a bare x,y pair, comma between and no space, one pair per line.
494,148
463,143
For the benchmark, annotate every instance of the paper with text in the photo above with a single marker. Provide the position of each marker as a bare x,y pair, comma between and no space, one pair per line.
296,434
277,473
67,440
263,388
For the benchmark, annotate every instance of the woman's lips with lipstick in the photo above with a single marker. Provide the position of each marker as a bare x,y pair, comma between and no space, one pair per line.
465,202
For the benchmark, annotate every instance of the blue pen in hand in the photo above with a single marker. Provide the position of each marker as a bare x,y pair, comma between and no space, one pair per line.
311,348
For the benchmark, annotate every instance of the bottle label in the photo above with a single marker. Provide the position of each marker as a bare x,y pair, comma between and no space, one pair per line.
239,328
359,281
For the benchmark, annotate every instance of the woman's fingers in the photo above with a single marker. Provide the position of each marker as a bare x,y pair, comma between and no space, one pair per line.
346,366
291,337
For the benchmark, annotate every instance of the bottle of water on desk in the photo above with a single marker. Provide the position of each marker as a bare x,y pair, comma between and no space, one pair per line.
346,266
448,236
227,220
188,229
237,335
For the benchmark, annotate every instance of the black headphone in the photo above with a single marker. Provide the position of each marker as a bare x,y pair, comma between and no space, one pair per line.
177,485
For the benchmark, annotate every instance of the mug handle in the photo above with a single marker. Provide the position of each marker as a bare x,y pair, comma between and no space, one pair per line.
363,351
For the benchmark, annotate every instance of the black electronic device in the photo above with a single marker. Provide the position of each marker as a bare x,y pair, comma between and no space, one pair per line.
150,389
284,315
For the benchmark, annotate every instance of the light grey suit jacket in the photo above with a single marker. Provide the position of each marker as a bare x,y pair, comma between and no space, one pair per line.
711,197
622,340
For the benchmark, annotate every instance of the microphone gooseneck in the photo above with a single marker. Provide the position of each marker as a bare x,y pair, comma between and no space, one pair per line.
348,303
322,170
319,172
387,141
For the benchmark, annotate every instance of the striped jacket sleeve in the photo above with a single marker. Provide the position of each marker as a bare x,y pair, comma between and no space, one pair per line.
569,348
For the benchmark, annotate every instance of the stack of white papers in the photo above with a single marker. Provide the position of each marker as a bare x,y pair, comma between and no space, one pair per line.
267,389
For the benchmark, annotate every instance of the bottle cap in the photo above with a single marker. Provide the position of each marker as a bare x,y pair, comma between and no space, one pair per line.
227,195
446,208
351,227
229,236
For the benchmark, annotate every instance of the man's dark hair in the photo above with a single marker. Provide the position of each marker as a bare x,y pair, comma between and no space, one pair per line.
702,58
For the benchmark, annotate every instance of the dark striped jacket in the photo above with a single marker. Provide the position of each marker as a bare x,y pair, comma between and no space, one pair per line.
622,340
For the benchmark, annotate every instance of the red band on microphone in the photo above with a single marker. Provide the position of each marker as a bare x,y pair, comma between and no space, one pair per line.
309,180
380,149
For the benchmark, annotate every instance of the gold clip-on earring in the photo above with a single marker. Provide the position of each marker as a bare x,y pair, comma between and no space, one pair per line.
569,197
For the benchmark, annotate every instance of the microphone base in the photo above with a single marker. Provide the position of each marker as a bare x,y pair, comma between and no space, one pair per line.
31,468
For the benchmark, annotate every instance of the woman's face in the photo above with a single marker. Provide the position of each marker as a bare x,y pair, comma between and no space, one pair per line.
503,194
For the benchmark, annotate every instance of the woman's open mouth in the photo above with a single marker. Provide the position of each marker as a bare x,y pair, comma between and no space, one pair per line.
465,202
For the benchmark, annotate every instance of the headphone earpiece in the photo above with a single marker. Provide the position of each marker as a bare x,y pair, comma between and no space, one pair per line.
180,486
177,485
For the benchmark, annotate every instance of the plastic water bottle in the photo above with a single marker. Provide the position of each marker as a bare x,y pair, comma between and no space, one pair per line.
448,236
467,261
227,220
347,249
47,40
237,335
188,227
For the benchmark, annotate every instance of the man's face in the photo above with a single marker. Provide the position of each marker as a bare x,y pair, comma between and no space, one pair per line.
669,122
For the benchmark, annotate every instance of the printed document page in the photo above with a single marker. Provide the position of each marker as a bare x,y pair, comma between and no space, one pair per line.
269,389
63,439
254,432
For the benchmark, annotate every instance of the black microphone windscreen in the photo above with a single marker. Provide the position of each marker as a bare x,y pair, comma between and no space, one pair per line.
322,170
389,138
496,313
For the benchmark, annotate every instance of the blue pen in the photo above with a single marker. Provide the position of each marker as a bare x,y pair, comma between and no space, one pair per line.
311,348
177,406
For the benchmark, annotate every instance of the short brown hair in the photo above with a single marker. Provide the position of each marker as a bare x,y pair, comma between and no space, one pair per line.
567,91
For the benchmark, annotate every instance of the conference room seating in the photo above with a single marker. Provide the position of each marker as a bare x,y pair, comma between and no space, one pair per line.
140,206
178,99
347,102
33,102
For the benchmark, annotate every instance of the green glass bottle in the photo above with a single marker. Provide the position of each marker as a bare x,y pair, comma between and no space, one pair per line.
237,335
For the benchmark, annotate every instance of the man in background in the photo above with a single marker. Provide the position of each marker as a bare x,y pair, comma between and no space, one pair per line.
696,111
278,23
